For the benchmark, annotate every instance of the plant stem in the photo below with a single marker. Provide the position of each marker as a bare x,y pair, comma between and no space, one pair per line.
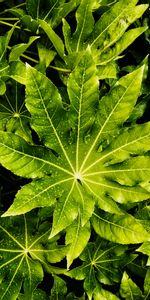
9,19
7,9
50,66
29,58
60,69
8,24
19,5
11,25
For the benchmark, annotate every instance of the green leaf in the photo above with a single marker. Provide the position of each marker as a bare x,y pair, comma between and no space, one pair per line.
107,38
100,293
62,10
77,236
46,56
54,38
85,24
13,114
101,263
16,263
19,49
112,25
128,289
145,249
108,71
59,289
31,24
2,87
17,71
113,53
25,250
83,158
147,283
131,171
134,140
114,110
52,11
37,294
4,42
123,229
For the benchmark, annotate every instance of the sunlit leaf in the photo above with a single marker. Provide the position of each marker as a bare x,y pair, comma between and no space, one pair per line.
78,167
123,229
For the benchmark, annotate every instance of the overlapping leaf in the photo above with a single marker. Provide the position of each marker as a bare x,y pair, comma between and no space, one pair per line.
108,37
129,290
101,264
22,256
87,157
51,11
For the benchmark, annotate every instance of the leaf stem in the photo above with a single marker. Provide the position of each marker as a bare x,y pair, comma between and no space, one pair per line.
60,69
11,25
29,58
9,19
50,66
16,6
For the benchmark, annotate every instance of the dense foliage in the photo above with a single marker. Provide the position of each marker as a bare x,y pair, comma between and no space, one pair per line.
74,150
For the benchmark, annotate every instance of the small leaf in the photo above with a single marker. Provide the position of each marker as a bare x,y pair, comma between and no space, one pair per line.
19,49
46,55
145,249
59,289
128,289
54,38
101,294
101,264
16,264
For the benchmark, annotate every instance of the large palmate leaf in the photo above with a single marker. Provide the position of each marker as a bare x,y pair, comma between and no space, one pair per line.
23,256
85,157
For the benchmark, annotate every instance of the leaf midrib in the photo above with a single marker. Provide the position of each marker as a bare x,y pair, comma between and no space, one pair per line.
52,125
116,225
126,8
36,158
114,187
105,123
115,150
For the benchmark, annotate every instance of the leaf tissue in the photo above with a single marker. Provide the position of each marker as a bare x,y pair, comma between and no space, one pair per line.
70,127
